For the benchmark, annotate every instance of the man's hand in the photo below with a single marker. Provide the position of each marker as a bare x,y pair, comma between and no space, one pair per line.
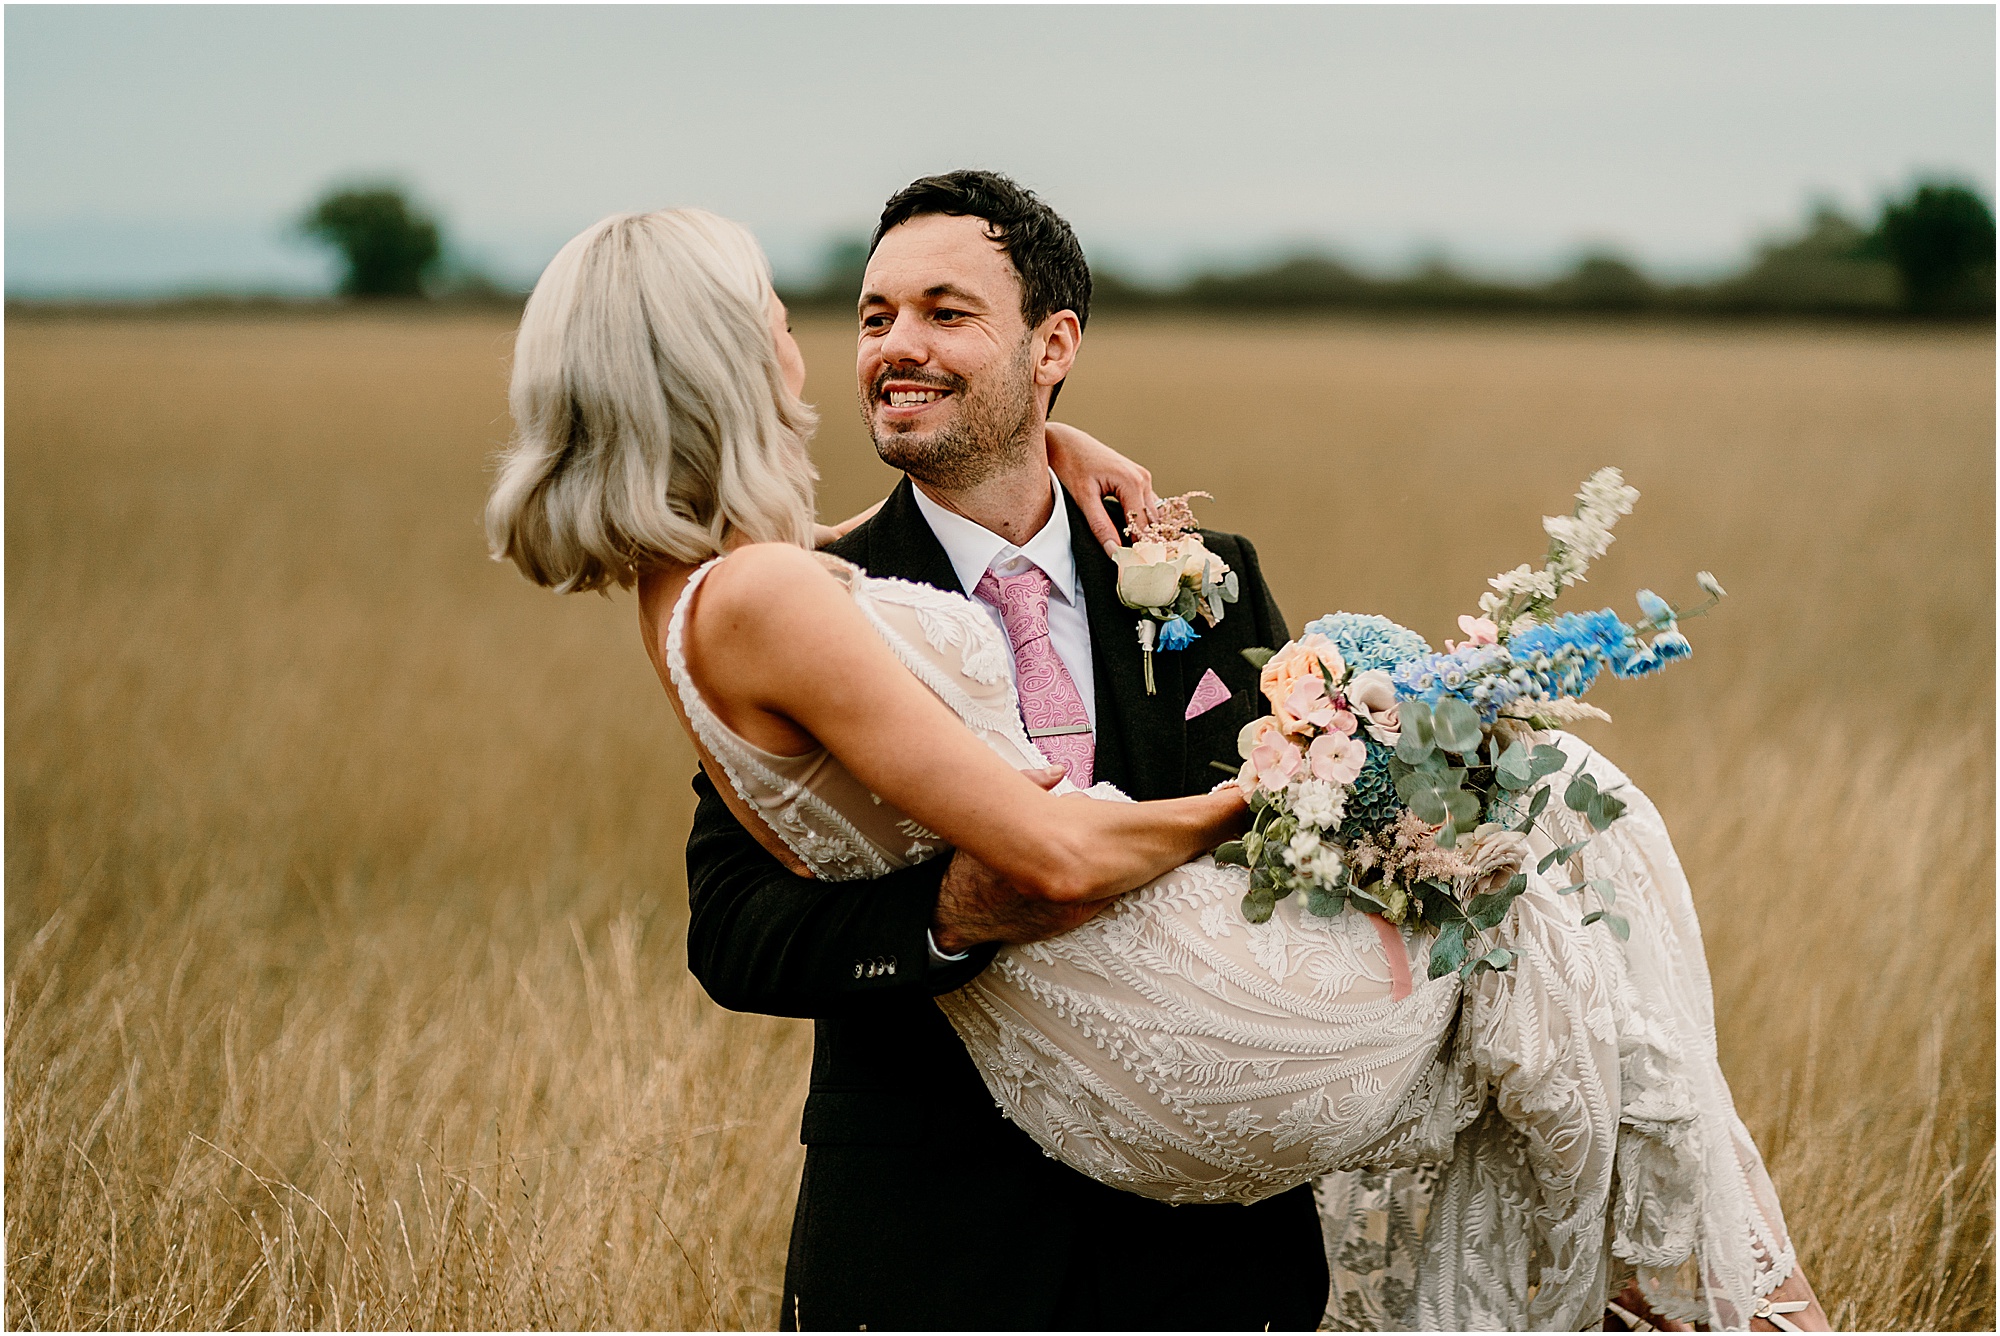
975,905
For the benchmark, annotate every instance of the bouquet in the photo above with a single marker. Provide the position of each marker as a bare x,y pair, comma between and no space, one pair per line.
1404,782
1170,577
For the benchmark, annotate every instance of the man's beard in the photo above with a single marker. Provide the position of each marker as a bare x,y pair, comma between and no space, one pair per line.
987,435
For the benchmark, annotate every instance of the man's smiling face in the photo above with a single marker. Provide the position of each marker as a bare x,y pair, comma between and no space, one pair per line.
946,364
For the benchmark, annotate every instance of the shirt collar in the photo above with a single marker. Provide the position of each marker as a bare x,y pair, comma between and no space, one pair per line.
974,549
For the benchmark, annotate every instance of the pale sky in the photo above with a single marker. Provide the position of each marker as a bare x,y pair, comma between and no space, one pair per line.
156,148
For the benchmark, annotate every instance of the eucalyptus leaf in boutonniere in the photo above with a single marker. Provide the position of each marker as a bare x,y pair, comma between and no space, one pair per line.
1168,575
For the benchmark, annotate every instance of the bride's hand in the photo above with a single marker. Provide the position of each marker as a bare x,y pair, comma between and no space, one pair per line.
1090,470
827,533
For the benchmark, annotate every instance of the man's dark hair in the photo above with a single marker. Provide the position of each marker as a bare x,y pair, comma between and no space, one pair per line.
1036,240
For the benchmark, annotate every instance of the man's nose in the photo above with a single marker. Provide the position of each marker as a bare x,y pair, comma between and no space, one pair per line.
906,343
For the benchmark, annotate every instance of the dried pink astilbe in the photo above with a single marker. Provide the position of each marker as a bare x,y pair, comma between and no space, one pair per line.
1176,518
1408,853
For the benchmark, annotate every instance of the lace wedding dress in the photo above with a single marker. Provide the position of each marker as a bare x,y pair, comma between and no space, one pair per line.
1490,1154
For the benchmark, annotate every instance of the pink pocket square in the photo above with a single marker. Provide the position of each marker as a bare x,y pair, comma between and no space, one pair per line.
1208,693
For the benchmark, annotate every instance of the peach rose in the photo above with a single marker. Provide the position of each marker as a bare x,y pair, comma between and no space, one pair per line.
1302,658
1496,855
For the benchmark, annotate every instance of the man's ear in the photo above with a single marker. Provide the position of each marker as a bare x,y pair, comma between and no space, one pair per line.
1060,336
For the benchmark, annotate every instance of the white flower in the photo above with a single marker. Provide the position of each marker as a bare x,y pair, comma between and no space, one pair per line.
1302,847
1325,867
1585,535
1605,496
1317,803
1522,580
1710,585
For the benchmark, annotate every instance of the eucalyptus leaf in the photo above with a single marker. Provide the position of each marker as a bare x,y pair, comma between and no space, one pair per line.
1324,903
1232,854
1497,960
1257,906
1592,917
1604,888
1455,725
1608,808
1229,591
1535,809
1581,791
1365,901
1558,855
1448,951
1258,656
1545,759
1619,926
1415,743
1438,905
1429,805
1447,836
1464,808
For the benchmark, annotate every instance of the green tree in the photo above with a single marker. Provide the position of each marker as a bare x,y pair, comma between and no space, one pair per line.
389,247
1940,241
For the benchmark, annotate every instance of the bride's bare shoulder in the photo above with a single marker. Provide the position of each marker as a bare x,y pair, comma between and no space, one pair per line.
773,584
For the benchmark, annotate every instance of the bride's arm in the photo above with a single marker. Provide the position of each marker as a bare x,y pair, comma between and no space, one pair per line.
781,652
1089,469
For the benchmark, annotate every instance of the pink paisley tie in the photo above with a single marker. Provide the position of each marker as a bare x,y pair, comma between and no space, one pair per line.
1050,705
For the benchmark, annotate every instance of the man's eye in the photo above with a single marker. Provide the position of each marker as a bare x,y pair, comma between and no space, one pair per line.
945,313
874,321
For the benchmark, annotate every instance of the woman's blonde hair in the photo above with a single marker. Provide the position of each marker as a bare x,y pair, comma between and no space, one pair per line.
651,419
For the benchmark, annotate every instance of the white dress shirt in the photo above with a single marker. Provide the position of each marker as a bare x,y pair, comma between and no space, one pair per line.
975,549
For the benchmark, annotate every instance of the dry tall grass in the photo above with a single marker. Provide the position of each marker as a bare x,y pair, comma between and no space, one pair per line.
343,952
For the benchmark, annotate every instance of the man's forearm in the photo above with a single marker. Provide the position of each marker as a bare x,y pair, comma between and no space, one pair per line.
761,939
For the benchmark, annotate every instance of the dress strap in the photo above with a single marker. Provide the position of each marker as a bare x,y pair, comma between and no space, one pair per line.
783,799
738,763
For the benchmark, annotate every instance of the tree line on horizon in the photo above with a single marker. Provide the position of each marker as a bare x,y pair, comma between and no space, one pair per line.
1928,254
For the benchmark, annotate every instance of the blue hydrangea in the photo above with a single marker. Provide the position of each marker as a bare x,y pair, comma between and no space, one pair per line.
1366,641
1484,676
1373,804
1175,633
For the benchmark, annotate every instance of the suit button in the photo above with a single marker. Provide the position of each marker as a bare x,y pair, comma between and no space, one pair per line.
858,968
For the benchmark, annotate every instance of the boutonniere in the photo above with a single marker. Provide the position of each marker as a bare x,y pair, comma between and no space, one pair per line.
1168,575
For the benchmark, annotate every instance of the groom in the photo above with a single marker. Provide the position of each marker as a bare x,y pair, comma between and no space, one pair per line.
921,1205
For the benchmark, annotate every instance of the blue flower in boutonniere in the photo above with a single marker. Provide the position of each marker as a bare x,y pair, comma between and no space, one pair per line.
1175,633
1168,575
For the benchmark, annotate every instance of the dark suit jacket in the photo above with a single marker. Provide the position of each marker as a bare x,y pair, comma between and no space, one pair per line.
921,1206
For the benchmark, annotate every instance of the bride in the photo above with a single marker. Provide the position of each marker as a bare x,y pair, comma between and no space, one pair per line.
1561,1129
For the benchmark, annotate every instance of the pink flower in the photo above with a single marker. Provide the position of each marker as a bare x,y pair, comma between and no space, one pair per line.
1336,757
1342,721
1270,759
1308,704
1478,631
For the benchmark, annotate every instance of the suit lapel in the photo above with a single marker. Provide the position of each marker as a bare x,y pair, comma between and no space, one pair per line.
898,542
1141,739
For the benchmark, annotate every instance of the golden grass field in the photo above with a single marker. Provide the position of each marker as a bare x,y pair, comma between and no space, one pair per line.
344,963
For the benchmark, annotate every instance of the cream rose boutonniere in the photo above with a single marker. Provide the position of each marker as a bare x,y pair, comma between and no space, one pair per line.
1168,575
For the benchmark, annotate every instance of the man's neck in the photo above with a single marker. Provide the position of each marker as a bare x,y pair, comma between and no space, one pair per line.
1015,503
